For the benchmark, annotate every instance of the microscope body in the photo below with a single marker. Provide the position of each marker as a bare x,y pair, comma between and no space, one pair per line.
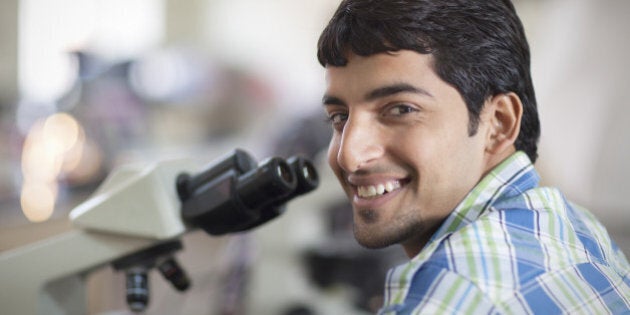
134,217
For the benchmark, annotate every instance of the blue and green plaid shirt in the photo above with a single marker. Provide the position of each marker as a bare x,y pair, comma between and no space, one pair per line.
511,247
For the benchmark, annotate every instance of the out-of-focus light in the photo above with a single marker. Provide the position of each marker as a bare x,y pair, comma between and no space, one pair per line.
38,200
53,147
46,144
73,156
60,133
38,163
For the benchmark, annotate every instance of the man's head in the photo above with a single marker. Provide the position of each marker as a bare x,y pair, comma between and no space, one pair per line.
478,46
425,98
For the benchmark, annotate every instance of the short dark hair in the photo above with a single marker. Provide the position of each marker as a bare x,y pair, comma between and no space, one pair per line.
478,46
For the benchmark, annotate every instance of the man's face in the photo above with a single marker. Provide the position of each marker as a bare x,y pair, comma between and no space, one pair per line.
400,146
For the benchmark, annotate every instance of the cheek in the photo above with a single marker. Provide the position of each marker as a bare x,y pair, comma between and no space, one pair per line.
420,149
434,159
451,167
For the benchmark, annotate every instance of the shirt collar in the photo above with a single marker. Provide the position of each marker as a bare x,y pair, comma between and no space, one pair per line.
511,177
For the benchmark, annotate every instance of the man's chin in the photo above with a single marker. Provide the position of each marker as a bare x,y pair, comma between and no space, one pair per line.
377,235
371,240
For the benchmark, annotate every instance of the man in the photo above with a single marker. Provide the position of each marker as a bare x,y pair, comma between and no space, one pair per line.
435,131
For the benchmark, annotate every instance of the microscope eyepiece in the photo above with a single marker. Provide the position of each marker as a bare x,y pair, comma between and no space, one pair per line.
234,195
238,161
307,178
284,172
271,181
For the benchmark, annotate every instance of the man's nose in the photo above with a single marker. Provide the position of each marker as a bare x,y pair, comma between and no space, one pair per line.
360,144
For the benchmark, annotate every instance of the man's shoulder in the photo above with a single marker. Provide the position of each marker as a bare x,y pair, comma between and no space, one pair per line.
522,250
536,231
586,286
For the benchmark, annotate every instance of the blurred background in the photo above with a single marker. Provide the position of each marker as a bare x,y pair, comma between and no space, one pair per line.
87,85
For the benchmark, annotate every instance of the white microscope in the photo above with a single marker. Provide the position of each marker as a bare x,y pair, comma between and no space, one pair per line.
134,222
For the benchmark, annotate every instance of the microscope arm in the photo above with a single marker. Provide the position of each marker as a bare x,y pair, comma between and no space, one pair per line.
136,211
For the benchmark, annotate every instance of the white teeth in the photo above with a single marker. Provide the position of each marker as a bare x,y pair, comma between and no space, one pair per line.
377,190
380,189
389,186
371,191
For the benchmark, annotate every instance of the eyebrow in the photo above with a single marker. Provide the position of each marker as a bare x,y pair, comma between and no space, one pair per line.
380,92
395,89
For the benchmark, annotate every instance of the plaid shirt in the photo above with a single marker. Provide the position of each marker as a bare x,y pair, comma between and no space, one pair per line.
511,247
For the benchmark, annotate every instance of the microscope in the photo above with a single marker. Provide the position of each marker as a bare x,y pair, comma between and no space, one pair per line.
134,222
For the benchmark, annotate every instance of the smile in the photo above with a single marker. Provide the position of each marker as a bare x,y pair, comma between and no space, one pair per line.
373,191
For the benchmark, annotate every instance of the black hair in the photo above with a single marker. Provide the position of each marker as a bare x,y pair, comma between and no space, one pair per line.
478,46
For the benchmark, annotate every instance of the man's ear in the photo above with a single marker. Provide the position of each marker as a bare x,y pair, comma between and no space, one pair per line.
504,112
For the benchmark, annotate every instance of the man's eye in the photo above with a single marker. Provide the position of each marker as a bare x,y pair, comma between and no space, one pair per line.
337,118
401,109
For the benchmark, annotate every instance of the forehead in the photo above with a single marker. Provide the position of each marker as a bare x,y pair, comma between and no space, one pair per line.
391,60
363,74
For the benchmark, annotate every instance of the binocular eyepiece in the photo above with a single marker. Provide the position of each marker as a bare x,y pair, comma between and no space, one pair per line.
235,193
